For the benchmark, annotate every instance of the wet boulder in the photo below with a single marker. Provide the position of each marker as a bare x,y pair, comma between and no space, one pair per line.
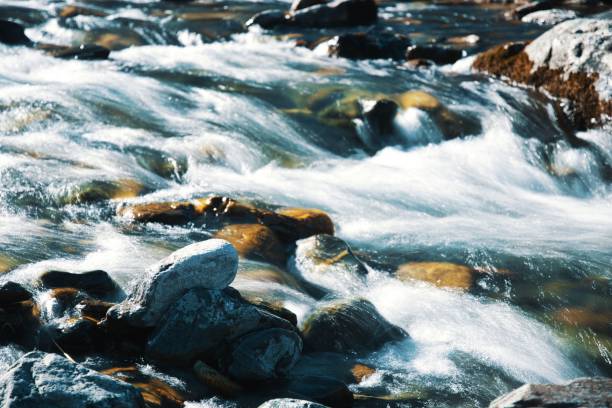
442,274
346,326
290,403
371,45
101,190
588,392
97,283
275,308
324,257
379,119
301,4
93,308
217,382
202,320
322,389
263,355
210,264
19,322
549,17
11,292
569,61
170,213
74,336
49,380
268,19
434,53
254,241
84,52
338,13
12,33
305,222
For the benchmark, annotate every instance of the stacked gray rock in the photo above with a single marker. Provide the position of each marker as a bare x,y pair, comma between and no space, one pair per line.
186,301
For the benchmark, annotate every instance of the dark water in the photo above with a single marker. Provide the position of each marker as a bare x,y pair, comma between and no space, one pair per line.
191,104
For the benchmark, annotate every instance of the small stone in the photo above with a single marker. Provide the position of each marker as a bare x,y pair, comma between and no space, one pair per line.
263,355
588,392
73,11
439,55
290,403
359,46
12,33
254,241
442,274
268,19
97,282
93,308
210,264
346,326
216,381
49,380
337,13
379,117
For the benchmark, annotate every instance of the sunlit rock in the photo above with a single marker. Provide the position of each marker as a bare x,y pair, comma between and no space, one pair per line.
217,382
290,403
97,282
49,380
568,61
101,190
442,274
589,392
210,264
263,355
71,10
361,372
549,17
348,326
597,320
171,213
254,241
154,391
203,320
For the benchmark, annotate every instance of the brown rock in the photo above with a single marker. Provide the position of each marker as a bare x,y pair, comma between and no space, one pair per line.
216,381
19,323
73,11
598,321
308,221
361,371
442,274
171,213
254,241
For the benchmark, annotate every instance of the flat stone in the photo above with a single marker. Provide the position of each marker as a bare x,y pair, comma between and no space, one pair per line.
210,264
442,274
52,381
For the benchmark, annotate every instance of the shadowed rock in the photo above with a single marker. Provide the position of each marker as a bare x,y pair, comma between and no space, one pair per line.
12,33
290,403
93,282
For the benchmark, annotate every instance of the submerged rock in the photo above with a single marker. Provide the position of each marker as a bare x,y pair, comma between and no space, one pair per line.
93,282
589,392
216,381
49,380
569,61
370,45
443,274
349,326
263,355
12,33
210,264
202,320
82,52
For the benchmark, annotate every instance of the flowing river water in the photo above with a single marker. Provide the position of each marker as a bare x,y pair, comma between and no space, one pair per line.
191,104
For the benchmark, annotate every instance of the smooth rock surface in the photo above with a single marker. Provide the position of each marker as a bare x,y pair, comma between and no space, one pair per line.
200,321
210,264
590,392
93,282
549,17
51,381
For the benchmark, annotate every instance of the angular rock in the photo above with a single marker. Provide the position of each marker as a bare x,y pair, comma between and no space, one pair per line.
255,241
549,17
263,355
442,274
359,46
439,55
11,292
349,326
588,392
49,380
210,264
97,282
569,61
202,320
290,403
12,33
338,13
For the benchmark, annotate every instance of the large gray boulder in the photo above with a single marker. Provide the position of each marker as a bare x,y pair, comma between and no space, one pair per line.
210,264
52,381
263,355
589,392
290,403
202,320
